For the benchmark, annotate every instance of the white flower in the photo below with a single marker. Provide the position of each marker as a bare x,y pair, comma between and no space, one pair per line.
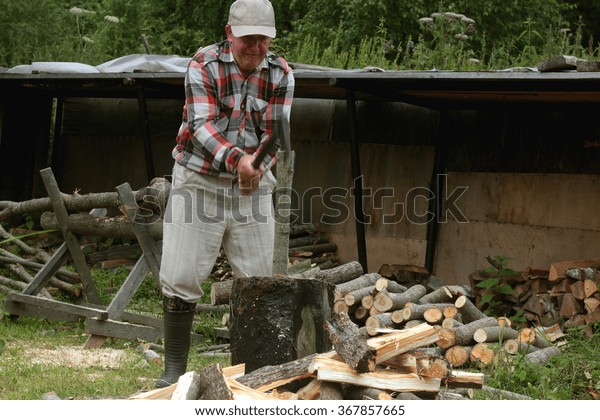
111,19
87,39
80,11
425,20
467,20
474,61
461,37
452,15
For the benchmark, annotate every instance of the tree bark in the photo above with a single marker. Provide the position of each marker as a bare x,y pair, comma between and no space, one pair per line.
496,333
364,280
84,224
468,309
385,301
154,195
349,344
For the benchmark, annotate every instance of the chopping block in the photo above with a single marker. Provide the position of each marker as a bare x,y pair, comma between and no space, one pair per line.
278,319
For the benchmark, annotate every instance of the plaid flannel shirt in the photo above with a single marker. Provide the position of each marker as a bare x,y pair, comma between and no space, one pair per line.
225,115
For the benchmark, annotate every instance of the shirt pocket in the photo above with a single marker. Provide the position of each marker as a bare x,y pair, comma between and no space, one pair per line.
257,108
226,106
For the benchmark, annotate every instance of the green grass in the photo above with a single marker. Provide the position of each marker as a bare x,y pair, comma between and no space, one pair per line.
29,345
573,375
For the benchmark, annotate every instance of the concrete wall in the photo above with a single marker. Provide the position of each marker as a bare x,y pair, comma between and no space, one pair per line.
531,176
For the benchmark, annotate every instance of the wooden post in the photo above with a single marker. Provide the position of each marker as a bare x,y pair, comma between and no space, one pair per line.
71,240
283,200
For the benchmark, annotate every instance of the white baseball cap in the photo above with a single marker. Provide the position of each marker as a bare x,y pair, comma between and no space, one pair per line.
252,17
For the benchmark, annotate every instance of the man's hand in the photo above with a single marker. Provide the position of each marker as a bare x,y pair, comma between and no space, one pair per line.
249,177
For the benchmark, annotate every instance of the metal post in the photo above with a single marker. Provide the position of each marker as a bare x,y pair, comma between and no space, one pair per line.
357,180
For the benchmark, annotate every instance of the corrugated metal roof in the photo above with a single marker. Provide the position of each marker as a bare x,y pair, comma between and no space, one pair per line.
435,89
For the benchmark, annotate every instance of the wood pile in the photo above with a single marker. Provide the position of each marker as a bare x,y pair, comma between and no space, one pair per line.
568,293
421,343
382,368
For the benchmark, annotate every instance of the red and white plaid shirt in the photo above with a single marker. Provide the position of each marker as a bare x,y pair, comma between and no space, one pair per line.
225,115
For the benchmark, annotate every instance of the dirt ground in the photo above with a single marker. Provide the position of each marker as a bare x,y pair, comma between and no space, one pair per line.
77,356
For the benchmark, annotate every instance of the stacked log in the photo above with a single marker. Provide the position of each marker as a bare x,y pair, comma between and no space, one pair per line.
567,293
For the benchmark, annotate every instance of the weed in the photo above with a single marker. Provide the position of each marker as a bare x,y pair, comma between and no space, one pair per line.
495,285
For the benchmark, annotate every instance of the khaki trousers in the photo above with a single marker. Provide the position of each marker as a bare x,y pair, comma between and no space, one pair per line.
205,212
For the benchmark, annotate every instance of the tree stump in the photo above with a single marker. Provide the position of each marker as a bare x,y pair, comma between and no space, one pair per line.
275,320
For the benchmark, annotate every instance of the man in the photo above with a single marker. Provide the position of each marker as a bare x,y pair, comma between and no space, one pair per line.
236,91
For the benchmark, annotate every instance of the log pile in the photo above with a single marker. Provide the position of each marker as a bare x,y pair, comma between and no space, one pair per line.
385,367
422,347
567,293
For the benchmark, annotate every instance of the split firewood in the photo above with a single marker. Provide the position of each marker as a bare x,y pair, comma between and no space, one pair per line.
270,377
331,370
363,281
310,391
558,269
386,301
213,384
583,289
570,306
187,387
458,355
551,333
541,356
393,344
514,346
482,353
460,379
593,317
352,347
590,304
363,393
468,309
494,334
424,365
242,392
531,336
342,273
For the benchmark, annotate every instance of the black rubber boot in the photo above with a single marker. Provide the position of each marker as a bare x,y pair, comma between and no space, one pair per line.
178,319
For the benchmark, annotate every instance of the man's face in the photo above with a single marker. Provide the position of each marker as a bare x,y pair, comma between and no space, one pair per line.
248,51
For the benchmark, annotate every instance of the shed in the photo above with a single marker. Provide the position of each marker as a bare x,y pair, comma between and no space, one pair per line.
437,169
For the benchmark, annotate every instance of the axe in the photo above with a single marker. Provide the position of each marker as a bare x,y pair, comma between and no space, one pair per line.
281,131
